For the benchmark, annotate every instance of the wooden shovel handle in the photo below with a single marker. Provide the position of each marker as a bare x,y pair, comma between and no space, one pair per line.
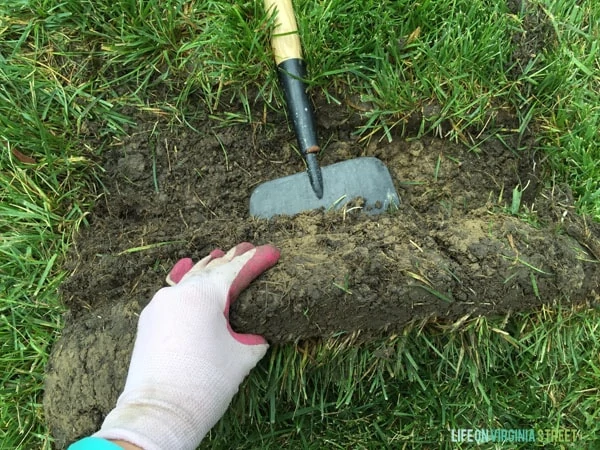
285,40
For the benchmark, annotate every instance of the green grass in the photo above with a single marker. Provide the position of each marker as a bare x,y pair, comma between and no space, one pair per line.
39,209
71,70
413,388
571,128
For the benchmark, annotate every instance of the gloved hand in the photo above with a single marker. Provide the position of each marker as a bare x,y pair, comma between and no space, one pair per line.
187,362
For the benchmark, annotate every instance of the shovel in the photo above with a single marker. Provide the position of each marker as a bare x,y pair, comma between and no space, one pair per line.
328,187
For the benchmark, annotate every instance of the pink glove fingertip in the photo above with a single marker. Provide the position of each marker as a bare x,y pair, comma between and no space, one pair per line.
217,253
246,339
242,248
180,268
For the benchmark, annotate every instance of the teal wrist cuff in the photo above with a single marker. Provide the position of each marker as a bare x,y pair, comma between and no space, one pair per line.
94,443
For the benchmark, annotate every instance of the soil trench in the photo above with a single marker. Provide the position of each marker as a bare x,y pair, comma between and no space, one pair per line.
476,233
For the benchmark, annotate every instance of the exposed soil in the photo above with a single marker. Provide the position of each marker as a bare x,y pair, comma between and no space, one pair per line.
457,246
452,248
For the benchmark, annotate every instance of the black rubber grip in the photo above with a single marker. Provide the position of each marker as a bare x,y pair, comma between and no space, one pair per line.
292,73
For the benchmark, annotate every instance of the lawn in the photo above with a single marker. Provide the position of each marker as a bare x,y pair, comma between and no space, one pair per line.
74,75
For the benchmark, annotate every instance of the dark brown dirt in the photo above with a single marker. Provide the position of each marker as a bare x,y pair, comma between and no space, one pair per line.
87,370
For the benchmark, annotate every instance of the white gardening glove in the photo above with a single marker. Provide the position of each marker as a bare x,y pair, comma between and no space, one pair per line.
187,362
